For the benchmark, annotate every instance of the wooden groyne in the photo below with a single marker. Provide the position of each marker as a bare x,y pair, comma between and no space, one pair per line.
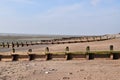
57,56
56,41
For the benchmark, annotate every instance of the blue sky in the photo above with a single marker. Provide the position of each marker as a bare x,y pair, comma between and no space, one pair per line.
63,17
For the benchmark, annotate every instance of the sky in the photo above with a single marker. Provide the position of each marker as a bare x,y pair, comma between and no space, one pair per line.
60,17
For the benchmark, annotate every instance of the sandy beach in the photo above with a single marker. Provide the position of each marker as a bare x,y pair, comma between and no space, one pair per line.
61,70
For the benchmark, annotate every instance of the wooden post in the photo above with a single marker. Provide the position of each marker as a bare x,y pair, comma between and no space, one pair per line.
48,54
17,44
13,45
111,51
31,56
87,52
26,43
13,50
67,49
3,44
68,54
47,50
22,44
88,49
15,57
8,45
111,47
30,50
89,56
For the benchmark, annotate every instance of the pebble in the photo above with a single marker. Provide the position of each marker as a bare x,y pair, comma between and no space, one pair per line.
46,72
52,69
66,78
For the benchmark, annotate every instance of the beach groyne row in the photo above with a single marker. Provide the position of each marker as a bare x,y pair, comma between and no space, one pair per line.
56,41
67,55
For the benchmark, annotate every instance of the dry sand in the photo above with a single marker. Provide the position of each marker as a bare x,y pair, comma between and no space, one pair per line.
61,70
